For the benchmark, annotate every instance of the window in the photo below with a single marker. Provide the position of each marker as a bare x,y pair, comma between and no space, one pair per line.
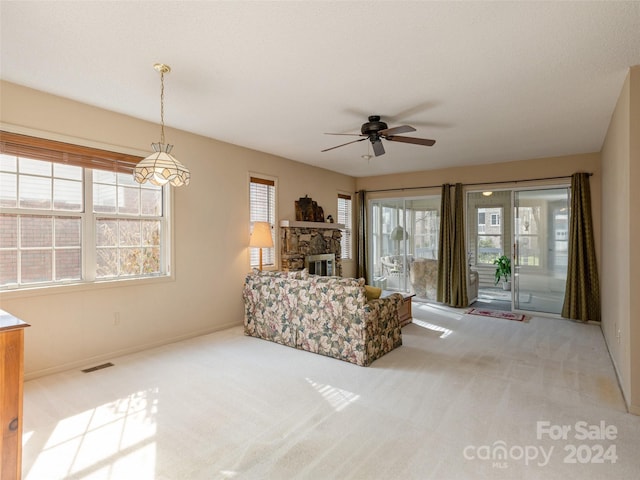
426,226
345,217
481,221
489,238
527,226
262,206
128,226
64,222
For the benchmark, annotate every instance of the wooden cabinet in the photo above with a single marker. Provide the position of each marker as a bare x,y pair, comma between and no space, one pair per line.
11,381
405,309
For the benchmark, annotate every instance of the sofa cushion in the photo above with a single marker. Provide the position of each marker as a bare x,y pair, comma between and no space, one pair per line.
372,292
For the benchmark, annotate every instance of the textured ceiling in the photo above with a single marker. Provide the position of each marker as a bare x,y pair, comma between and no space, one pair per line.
489,81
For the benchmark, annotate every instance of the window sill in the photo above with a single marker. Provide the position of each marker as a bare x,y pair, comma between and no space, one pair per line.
72,287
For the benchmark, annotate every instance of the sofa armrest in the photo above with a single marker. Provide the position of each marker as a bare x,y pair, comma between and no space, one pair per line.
382,314
382,326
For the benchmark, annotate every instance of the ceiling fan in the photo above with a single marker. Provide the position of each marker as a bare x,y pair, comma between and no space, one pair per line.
375,130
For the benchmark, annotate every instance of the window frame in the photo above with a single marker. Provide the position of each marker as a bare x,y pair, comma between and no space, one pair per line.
423,235
101,157
273,251
164,263
482,232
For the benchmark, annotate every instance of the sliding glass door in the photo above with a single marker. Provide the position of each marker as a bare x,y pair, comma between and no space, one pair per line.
389,244
404,244
541,234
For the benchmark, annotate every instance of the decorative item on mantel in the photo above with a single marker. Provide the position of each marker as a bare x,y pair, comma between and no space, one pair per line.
308,211
161,167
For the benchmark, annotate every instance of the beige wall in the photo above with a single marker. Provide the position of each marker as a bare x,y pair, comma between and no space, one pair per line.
74,326
616,230
634,238
621,236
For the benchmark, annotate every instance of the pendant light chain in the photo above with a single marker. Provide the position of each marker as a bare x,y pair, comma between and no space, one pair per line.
162,106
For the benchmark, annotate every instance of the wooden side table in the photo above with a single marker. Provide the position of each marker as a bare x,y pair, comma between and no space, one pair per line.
11,384
405,307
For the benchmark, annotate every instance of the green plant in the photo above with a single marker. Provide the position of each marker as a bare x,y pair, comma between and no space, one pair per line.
503,268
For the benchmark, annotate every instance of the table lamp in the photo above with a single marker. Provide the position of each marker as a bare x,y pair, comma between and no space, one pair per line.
261,237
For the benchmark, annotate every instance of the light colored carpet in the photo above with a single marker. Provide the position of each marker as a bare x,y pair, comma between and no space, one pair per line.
225,406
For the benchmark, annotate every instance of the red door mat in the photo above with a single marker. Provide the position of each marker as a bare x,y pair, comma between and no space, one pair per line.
518,317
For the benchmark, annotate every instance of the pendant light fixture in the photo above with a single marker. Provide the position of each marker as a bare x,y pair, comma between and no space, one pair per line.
161,167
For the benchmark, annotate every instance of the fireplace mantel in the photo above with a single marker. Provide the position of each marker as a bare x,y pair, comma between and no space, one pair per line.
289,224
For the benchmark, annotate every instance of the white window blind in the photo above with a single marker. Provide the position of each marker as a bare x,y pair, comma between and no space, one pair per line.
262,204
344,216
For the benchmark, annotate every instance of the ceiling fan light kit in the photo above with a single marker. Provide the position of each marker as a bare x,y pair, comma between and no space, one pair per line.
375,130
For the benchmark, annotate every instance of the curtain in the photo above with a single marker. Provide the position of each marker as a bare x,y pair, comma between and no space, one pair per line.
452,259
444,247
582,291
362,254
458,276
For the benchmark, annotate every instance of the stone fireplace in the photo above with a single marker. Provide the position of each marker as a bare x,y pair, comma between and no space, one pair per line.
300,240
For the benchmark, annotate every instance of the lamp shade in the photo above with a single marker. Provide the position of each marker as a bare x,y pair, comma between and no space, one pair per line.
399,233
161,167
261,235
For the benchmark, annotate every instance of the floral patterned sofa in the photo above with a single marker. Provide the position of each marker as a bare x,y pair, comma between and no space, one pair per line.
326,315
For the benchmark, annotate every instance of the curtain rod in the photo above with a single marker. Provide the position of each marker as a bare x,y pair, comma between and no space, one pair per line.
471,184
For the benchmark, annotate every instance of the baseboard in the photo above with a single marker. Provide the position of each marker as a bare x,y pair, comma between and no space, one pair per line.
79,364
635,409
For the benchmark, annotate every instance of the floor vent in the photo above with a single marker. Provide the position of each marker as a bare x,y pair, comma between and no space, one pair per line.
98,367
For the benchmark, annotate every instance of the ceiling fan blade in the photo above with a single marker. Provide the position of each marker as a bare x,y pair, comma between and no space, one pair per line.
378,149
416,141
348,143
396,130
